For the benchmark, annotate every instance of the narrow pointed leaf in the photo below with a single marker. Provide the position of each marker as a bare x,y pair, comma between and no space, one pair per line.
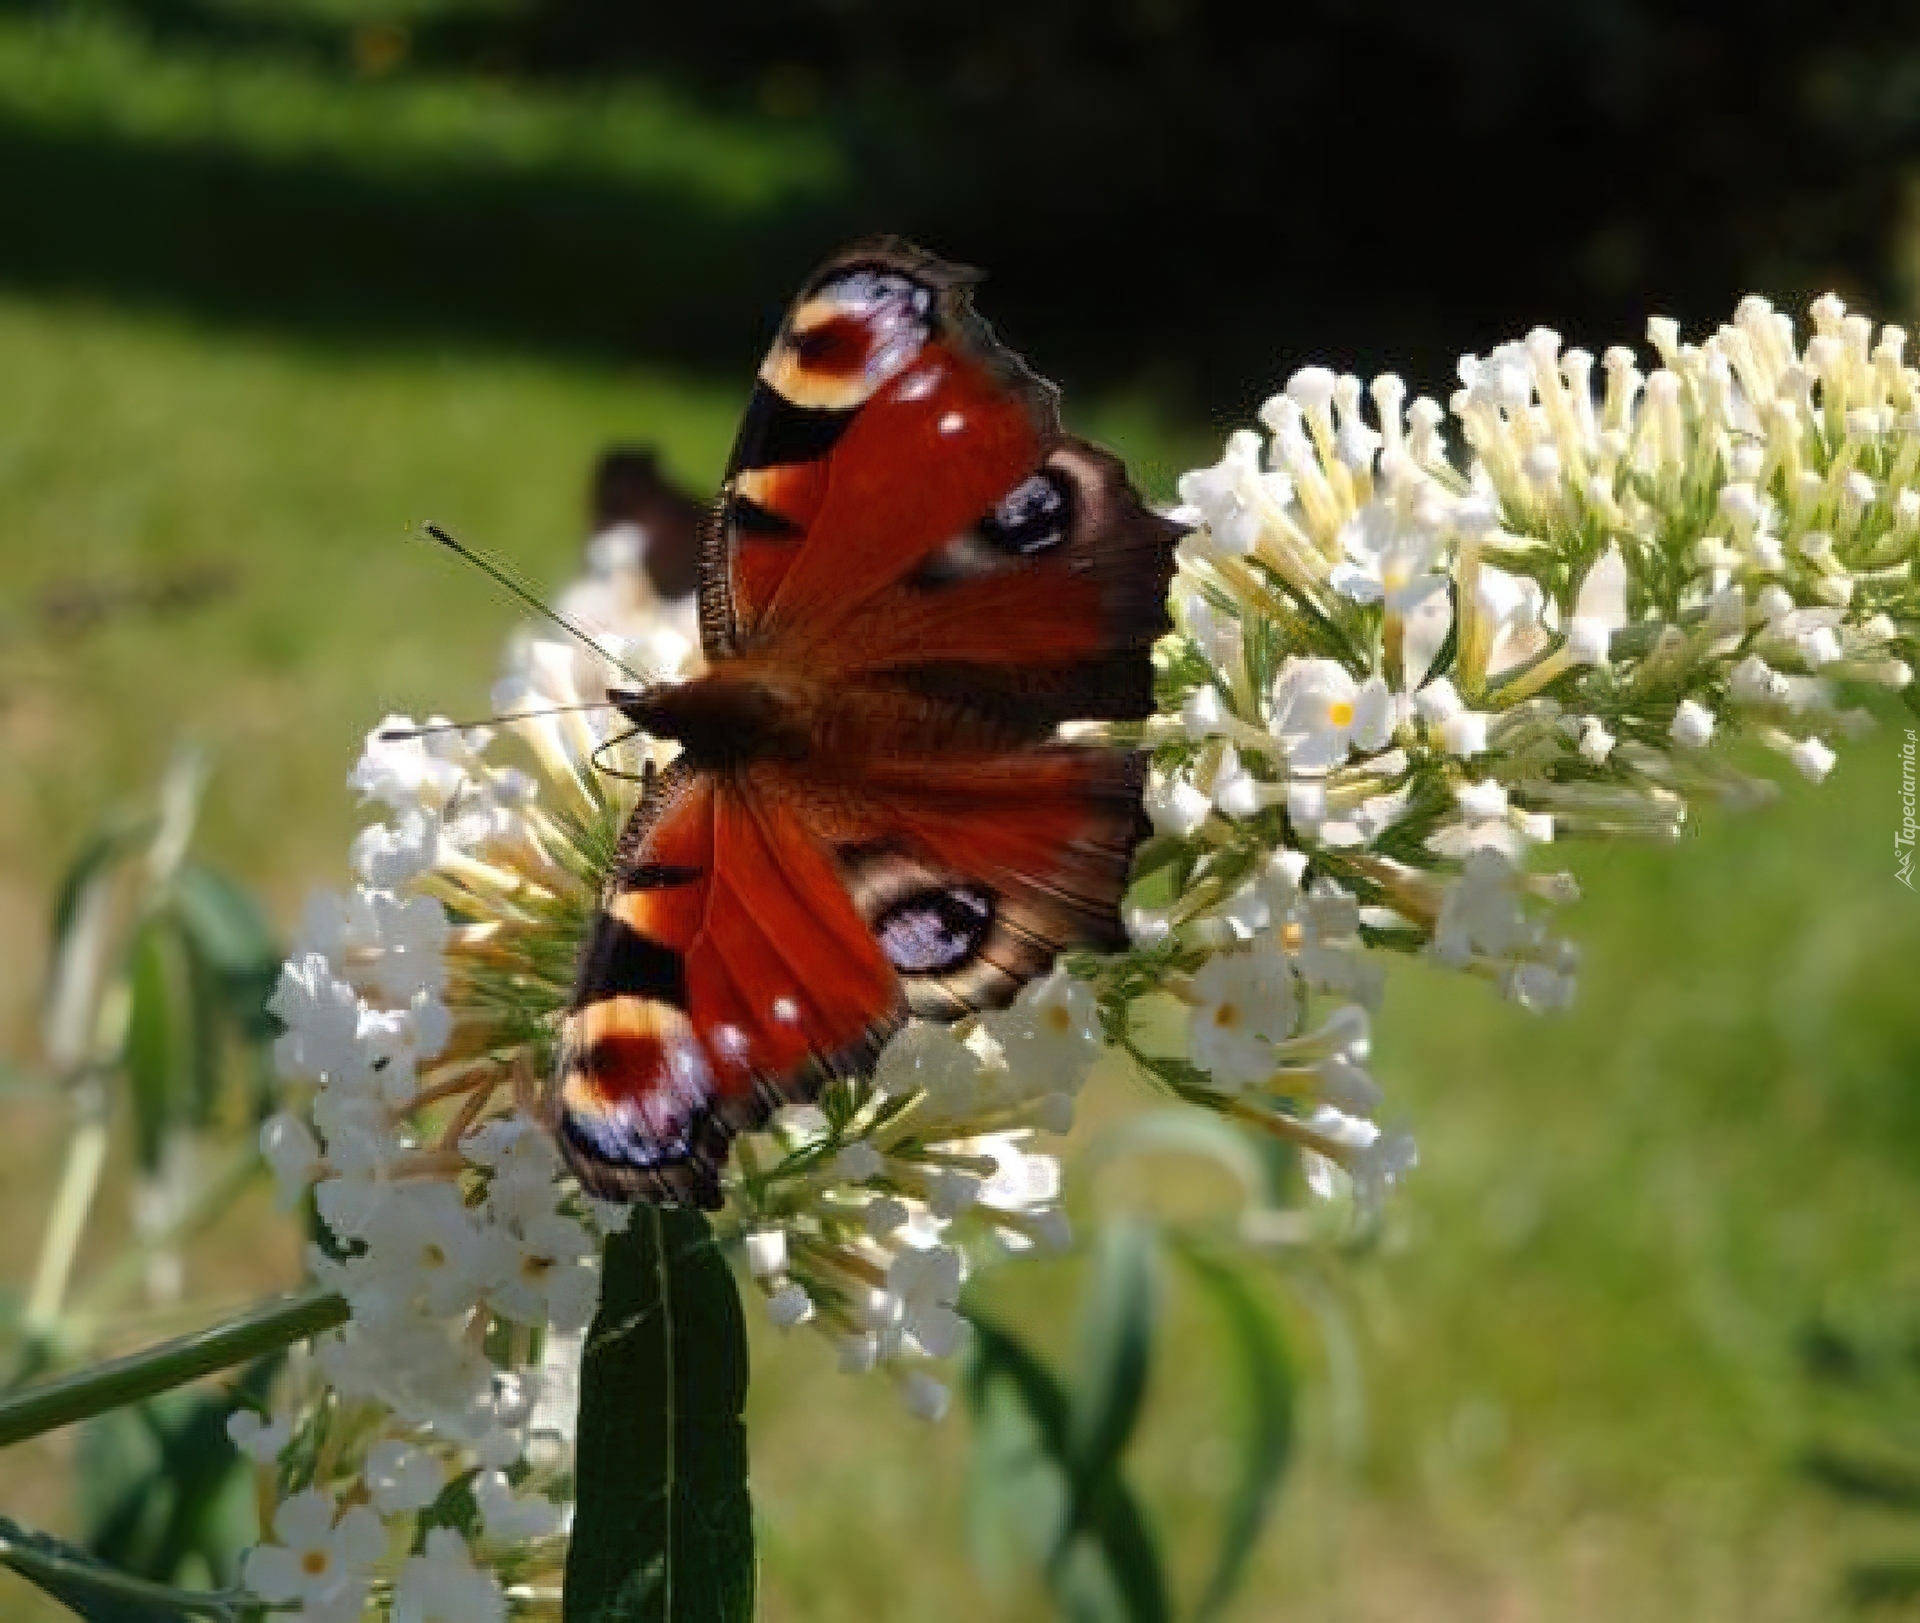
1112,1568
159,1040
1265,1428
1115,1352
96,1592
663,1528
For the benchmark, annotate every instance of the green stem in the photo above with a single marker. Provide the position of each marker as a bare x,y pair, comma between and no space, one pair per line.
79,1180
59,1574
279,1323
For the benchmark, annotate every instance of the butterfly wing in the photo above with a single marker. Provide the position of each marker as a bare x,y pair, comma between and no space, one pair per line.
903,509
765,931
727,971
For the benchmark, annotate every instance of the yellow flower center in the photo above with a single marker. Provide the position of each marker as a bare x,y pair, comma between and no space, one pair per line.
1340,712
313,1562
1227,1015
534,1269
1055,1020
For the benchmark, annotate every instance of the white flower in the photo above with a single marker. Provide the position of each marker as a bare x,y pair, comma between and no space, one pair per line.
1321,714
540,1273
386,857
925,1398
442,1585
1599,611
788,1306
1244,1002
260,1440
766,1252
1464,733
322,1015
922,1286
1227,496
1051,1034
321,1565
422,1246
1512,607
1390,552
401,1477
412,934
1692,724
1753,681
511,1518
1482,800
524,1166
1812,759
291,1150
1174,805
409,773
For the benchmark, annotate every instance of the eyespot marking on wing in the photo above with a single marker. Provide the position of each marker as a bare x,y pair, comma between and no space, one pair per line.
851,333
935,930
1034,517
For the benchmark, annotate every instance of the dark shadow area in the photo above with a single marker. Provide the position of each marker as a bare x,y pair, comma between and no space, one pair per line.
1192,195
500,258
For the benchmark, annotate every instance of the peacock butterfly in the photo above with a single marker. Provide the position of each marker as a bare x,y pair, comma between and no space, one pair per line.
911,578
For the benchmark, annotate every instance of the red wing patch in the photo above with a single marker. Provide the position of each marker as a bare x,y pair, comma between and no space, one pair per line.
728,972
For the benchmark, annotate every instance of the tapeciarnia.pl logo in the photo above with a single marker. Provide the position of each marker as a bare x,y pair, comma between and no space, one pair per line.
1903,841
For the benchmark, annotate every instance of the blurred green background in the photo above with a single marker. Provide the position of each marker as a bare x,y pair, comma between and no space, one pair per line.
280,277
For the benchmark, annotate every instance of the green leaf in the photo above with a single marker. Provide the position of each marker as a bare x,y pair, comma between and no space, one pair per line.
223,919
455,1507
1112,1569
204,1051
101,851
1266,1424
228,933
163,1491
96,1592
1115,1353
1016,1491
160,1045
663,1528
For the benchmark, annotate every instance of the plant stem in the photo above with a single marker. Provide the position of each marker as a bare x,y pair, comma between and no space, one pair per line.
279,1323
79,1179
59,1574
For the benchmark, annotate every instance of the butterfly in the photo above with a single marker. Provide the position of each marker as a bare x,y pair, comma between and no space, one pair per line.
911,578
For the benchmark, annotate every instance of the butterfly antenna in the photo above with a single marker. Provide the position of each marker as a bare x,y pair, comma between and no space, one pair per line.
399,735
505,577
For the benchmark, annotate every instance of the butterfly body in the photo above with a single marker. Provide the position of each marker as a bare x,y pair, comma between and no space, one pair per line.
912,579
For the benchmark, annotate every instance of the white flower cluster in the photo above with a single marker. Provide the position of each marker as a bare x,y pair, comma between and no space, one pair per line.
1394,676
852,1225
419,1013
467,1262
1398,674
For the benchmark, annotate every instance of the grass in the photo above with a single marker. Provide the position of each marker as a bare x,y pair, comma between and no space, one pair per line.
1576,1390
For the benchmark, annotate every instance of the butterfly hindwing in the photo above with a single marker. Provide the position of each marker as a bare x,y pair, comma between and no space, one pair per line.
726,972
